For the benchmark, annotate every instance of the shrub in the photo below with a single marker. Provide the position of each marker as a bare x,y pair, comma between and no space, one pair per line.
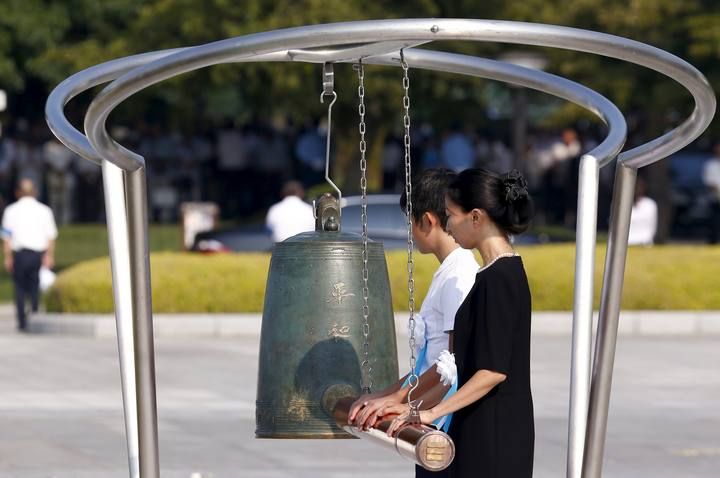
661,278
181,282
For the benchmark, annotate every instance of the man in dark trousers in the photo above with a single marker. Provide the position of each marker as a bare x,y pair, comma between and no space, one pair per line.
29,234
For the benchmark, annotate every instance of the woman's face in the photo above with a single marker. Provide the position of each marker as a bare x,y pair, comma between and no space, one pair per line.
460,225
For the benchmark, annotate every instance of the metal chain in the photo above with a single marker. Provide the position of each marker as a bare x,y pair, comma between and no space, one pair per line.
413,379
368,382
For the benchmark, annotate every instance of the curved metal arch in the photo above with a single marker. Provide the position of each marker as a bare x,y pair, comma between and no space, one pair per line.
80,82
545,82
415,30
106,72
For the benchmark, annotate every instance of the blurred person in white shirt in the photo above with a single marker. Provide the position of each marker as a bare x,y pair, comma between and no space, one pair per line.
292,215
29,234
644,217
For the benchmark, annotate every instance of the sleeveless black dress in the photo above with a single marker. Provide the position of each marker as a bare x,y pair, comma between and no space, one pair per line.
495,436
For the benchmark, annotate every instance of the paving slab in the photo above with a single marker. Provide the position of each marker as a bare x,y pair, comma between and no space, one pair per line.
61,411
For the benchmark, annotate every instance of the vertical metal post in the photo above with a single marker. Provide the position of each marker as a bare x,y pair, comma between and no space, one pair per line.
623,197
582,311
119,246
136,190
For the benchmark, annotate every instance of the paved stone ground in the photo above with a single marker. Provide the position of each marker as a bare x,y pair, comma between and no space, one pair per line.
61,412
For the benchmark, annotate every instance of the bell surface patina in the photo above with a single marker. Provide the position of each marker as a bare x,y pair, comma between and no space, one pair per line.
311,345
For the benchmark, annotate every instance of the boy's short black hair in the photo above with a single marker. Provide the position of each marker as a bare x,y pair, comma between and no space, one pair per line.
428,194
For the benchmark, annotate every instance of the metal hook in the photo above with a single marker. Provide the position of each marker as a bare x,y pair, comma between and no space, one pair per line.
328,79
414,412
328,83
333,94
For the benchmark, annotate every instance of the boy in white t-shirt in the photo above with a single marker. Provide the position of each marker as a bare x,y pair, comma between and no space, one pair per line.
450,285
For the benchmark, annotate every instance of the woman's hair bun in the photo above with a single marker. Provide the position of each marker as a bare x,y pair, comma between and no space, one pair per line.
515,186
504,197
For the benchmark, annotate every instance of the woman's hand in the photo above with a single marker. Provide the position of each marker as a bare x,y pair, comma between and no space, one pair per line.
358,404
403,410
364,412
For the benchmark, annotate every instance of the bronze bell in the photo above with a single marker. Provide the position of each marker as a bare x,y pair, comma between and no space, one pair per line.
311,344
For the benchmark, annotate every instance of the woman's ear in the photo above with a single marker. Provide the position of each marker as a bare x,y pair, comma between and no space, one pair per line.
477,216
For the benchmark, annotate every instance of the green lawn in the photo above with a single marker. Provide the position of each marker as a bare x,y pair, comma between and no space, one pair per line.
78,243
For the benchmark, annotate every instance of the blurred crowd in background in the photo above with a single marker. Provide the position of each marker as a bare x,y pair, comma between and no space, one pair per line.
242,168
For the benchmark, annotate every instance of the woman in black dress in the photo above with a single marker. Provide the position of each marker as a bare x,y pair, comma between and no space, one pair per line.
493,425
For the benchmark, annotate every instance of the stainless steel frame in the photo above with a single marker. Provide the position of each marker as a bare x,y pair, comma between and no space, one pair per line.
118,236
379,42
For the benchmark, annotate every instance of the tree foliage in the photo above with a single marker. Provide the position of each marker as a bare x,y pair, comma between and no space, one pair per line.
44,41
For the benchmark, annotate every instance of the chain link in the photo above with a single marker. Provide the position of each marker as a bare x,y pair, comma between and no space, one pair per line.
413,379
368,382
